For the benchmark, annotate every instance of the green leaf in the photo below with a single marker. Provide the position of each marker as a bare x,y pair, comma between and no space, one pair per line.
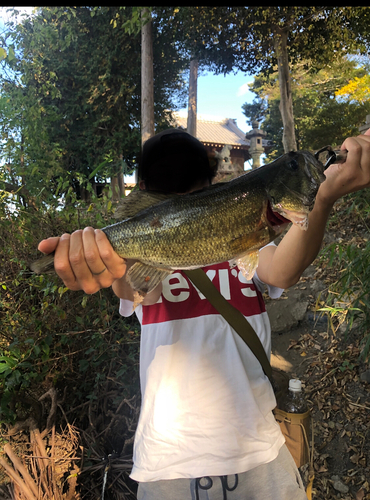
4,367
11,54
2,53
99,167
9,361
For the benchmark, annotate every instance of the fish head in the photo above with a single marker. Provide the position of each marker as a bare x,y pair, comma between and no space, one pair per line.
292,186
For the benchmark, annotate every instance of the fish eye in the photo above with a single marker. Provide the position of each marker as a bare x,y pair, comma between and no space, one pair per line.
294,165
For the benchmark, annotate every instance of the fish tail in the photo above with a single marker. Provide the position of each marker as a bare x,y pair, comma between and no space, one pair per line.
43,265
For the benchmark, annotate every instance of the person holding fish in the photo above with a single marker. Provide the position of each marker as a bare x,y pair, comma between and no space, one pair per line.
206,428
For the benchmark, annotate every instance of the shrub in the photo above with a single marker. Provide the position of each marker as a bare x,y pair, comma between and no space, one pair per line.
49,335
349,294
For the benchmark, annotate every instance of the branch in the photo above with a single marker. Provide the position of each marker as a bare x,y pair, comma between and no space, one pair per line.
21,190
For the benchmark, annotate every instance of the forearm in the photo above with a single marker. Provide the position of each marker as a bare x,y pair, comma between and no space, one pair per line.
296,251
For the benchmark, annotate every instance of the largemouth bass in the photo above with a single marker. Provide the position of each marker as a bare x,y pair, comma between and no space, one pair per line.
224,222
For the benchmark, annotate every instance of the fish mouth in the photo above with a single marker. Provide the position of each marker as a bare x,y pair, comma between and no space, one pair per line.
275,218
307,200
281,216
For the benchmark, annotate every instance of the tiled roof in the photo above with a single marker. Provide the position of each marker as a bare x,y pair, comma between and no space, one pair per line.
216,130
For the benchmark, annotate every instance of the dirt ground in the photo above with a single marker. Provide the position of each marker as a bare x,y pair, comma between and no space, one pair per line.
337,388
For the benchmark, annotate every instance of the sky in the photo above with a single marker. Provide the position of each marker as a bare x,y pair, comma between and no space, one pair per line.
223,96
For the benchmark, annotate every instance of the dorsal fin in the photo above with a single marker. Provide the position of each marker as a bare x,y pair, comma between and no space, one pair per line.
137,201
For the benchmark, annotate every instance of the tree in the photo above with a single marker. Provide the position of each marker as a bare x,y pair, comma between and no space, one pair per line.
193,98
147,78
320,116
257,39
187,24
81,86
287,35
357,89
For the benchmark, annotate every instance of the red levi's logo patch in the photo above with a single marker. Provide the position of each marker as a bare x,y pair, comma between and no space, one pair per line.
181,300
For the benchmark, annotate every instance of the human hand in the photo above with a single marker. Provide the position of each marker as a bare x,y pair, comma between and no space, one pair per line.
351,176
85,260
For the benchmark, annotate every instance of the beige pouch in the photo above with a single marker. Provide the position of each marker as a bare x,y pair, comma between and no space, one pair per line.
296,430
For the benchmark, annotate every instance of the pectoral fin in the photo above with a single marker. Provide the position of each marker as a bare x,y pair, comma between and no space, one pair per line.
143,279
247,264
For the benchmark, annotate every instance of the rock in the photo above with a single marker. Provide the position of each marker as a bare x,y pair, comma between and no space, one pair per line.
339,485
316,320
316,287
309,272
365,376
285,315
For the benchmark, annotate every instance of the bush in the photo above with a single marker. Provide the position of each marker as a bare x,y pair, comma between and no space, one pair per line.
349,295
51,336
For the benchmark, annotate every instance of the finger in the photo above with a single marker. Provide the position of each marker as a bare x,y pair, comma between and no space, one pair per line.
353,146
49,245
362,150
356,169
89,267
115,264
81,270
93,257
364,141
62,264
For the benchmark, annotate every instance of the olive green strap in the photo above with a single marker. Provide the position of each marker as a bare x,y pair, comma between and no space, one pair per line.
232,315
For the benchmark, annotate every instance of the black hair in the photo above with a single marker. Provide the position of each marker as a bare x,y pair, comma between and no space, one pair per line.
173,161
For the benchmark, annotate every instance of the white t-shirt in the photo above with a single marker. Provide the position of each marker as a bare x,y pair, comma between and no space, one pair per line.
206,402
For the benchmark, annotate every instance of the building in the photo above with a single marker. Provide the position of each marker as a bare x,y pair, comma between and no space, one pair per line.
222,135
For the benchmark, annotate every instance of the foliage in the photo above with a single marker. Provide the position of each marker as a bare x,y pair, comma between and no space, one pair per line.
50,336
195,31
348,302
256,39
75,96
229,38
319,115
357,89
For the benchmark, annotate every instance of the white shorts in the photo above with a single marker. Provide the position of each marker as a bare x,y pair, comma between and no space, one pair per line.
277,480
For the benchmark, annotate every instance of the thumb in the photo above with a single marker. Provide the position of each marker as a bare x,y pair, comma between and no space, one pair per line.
367,131
49,245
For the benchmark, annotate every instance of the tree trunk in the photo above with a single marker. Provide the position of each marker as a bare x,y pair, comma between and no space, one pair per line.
115,187
121,185
117,181
147,90
192,103
286,103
